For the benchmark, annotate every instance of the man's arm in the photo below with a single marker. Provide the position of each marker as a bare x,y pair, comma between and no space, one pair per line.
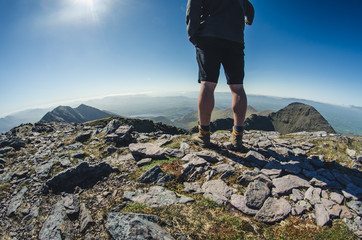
193,18
249,12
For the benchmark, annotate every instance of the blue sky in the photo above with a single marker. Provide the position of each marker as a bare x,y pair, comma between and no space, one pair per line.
56,51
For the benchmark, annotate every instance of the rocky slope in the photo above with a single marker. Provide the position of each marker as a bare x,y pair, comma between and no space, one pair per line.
133,179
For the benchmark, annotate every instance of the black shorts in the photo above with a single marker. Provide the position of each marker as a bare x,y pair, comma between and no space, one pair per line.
212,52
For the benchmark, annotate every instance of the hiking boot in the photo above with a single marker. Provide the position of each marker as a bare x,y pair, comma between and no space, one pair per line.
236,140
202,137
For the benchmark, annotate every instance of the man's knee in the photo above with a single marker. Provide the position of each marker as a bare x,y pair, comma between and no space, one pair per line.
237,88
208,86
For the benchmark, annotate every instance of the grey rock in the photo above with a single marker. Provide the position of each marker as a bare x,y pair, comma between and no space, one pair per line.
218,187
222,168
164,179
323,182
322,216
333,209
250,176
152,175
255,157
184,146
84,136
256,194
144,162
301,207
359,159
82,175
42,171
313,195
336,197
65,162
174,152
217,198
296,195
346,213
209,156
85,218
352,192
356,206
192,187
273,210
209,175
299,152
15,202
272,173
112,126
265,144
73,146
351,153
71,205
238,201
135,226
147,150
157,196
51,227
196,162
79,154
6,150
34,211
284,185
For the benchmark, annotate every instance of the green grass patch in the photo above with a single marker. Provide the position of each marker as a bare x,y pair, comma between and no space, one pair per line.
139,208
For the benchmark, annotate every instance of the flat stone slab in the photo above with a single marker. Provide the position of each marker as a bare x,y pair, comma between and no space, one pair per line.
147,150
284,185
238,201
322,216
157,196
218,187
135,226
52,226
273,210
16,201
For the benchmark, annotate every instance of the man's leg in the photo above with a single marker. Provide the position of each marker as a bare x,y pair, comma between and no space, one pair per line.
239,103
206,102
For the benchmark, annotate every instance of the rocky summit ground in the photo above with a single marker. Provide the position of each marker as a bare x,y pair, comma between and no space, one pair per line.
109,180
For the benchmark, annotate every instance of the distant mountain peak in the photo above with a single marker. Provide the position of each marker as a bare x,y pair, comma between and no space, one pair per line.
298,117
83,113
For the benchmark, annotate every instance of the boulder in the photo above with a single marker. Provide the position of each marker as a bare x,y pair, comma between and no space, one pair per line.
273,210
256,194
82,175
